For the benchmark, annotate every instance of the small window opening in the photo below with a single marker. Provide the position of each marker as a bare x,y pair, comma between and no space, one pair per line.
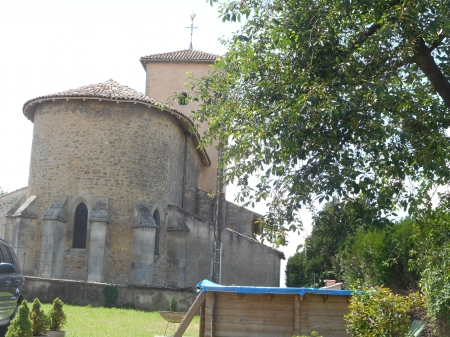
80,226
183,98
256,226
157,222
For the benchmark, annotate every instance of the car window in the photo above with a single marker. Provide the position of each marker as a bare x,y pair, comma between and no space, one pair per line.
14,257
6,257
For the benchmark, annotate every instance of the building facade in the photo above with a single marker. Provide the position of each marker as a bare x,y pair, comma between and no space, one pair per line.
119,190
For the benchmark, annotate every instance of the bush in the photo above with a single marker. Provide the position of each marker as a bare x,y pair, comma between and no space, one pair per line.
21,325
57,316
378,312
111,293
173,304
40,320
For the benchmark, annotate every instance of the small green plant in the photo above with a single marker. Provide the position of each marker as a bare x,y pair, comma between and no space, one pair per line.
21,325
378,312
173,304
111,293
39,319
57,316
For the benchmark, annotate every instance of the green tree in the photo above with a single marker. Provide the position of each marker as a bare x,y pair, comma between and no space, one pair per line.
21,325
2,192
323,98
432,260
379,256
41,321
330,228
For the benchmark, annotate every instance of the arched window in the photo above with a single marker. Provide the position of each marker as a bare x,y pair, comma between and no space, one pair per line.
157,222
80,226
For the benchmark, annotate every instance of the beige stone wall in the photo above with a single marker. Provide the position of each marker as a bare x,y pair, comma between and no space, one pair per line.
124,152
166,78
7,203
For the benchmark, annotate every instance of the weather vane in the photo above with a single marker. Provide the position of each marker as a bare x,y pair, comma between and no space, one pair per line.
192,27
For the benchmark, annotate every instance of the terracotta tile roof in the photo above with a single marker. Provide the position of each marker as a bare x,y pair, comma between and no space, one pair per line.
187,55
114,91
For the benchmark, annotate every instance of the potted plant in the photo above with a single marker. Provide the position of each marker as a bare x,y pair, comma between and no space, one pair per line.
40,320
172,315
21,325
58,319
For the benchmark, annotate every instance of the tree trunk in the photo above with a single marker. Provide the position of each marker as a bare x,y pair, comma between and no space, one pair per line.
427,64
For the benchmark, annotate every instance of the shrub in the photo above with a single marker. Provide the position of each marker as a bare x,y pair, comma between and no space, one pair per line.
21,325
111,293
378,312
173,304
39,319
57,316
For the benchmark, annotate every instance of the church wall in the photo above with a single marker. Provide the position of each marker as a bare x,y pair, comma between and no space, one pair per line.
199,203
239,219
125,152
193,165
245,261
162,81
7,203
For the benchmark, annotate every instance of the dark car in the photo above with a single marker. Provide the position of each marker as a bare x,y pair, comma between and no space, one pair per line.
11,283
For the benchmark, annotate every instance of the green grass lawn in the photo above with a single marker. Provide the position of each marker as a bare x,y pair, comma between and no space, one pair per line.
105,322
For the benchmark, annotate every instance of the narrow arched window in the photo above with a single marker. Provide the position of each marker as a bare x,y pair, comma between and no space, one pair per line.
80,226
157,222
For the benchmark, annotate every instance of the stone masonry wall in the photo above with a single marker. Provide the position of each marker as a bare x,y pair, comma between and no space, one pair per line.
85,293
124,152
199,203
248,262
7,202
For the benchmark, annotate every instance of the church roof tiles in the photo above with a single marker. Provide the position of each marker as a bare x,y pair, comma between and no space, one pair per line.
187,55
114,91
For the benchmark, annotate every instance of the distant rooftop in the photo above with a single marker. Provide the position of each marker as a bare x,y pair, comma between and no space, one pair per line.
187,55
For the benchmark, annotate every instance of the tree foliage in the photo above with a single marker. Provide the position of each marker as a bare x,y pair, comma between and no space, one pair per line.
324,98
376,312
41,321
432,260
21,325
379,256
57,315
330,229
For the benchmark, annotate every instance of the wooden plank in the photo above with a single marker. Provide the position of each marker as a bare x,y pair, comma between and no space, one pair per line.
331,298
254,320
250,313
208,311
328,319
328,305
190,315
253,328
255,298
328,313
265,306
332,333
201,332
297,315
213,309
259,334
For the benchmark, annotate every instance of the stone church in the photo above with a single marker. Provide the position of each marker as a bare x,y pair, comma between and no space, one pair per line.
119,190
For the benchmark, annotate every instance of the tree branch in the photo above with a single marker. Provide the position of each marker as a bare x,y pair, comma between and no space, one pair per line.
427,64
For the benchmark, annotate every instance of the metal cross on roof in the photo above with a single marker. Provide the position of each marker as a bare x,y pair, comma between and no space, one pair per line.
192,27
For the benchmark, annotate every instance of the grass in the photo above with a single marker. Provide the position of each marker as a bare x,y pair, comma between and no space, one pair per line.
111,322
